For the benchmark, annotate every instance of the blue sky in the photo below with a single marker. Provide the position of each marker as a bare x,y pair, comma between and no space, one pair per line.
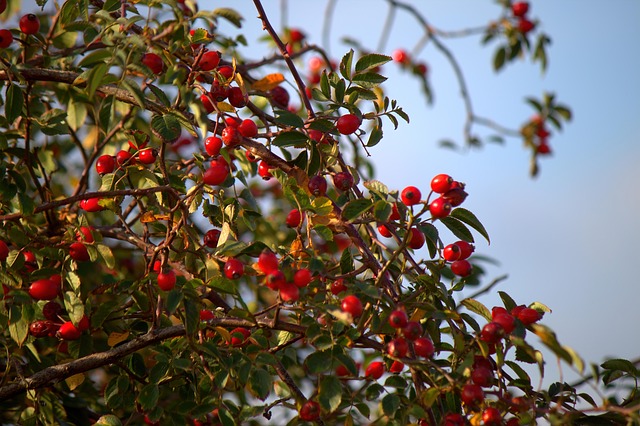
569,238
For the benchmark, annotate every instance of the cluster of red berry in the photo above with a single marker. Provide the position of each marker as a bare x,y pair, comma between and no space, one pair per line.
519,10
405,60
29,24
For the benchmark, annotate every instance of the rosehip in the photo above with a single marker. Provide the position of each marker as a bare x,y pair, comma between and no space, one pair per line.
375,370
310,411
396,367
461,268
248,128
294,218
52,310
352,305
416,238
44,289
267,261
491,417
275,280
343,181
398,347
317,185
455,196
263,170
211,238
231,136
236,97
239,336
482,376
302,277
280,97
410,195
423,347
289,292
153,62
507,321
6,38
68,331
338,286
206,315
439,208
105,164
209,60
398,318
384,231
441,183
451,253
4,251
147,156
412,330
78,252
216,174
29,24
520,8
348,124
233,268
529,316
472,394
401,56
525,26
207,103
167,280
492,333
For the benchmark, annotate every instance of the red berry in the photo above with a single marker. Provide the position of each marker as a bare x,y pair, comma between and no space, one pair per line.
296,36
275,280
416,238
209,60
498,310
211,238
472,394
384,231
454,419
317,185
398,347
226,71
410,195
506,320
68,331
514,421
352,305
294,218
395,214
212,145
249,155
154,62
216,174
423,347
520,8
231,136
147,156
338,286
455,196
44,289
482,376
6,38
525,25
439,208
84,324
396,367
29,24
263,170
289,292
451,253
302,277
280,97
267,262
461,268
239,336
343,181
207,103
218,92
348,124
124,158
78,252
375,370
236,97
91,205
310,411
412,330
167,280
248,128
398,318
4,251
466,249
529,316
543,148
105,164
492,333
42,328
3,5
491,417
401,56
52,310
233,269
441,183
516,310
206,315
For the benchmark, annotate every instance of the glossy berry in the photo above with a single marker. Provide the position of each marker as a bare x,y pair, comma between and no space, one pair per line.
525,25
248,128
280,97
207,103
441,183
231,136
491,417
310,411
384,231
250,157
91,205
6,38
211,238
343,181
375,370
439,208
207,315
520,8
398,347
289,292
216,174
482,376
302,277
147,156
352,305
225,71
423,347
236,97
516,310
124,158
466,249
451,253
29,24
68,331
398,318
396,367
395,214
416,238
233,269
212,145
472,394
461,268
529,316
4,251
348,124
294,218
44,289
412,330
154,62
492,333
338,287
410,195
105,164
506,320
317,185
218,92
78,252
514,421
267,262
263,170
52,310
239,336
543,148
167,280
209,60
275,279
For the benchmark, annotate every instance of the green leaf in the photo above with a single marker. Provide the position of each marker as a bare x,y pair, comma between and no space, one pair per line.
322,206
564,112
371,60
148,396
509,303
330,393
98,56
95,77
287,118
390,404
457,228
375,136
353,209
470,219
107,255
260,383
369,79
477,308
14,102
382,211
346,65
499,58
18,325
318,362
297,139
230,15
166,126
621,365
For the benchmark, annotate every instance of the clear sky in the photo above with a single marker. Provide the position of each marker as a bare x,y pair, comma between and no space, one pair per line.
569,238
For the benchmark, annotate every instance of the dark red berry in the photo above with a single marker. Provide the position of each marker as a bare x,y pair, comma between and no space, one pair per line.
520,8
239,336
280,97
466,249
491,417
472,394
302,277
412,330
492,333
209,60
233,269
216,174
396,367
482,376
29,24
289,292
455,196
416,238
525,25
451,253
6,38
68,331
506,320
105,164
263,170
398,347
348,124
211,238
231,136
375,370
212,145
52,311
461,268
310,411
167,280
154,62
398,318
248,128
529,316
294,218
317,185
338,286
236,97
78,252
207,103
423,347
4,251
275,280
343,181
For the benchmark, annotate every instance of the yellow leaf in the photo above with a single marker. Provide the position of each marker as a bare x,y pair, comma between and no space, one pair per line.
268,82
150,217
224,333
74,381
115,338
225,107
